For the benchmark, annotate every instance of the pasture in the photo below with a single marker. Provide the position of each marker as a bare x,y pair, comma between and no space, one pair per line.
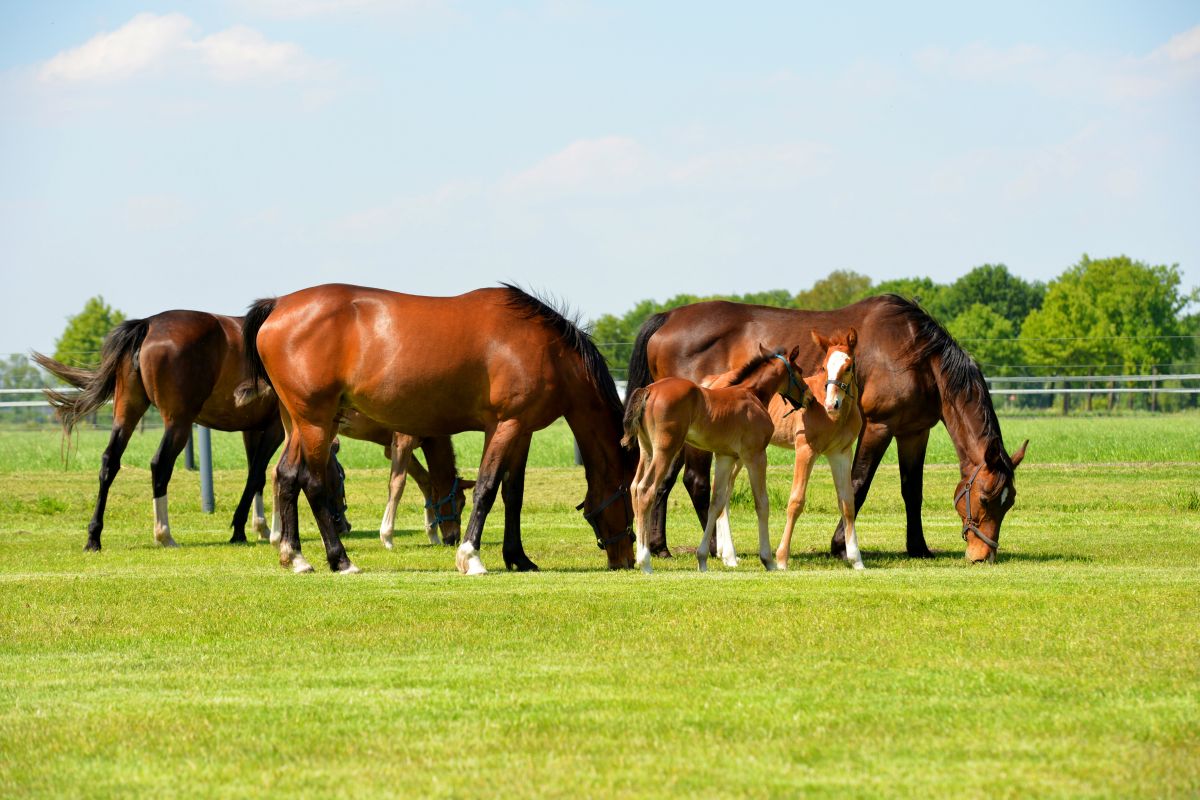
1068,668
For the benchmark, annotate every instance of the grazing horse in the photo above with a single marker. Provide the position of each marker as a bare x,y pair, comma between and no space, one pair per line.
731,422
441,481
187,364
911,374
497,360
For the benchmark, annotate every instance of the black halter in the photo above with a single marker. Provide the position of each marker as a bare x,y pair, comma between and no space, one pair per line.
591,516
968,522
436,506
796,406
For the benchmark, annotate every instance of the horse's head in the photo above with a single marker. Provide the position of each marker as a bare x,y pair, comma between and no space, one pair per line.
791,386
446,511
982,498
837,369
611,519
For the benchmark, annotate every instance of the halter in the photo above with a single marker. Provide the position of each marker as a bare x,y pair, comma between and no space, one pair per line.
590,516
968,522
791,382
436,507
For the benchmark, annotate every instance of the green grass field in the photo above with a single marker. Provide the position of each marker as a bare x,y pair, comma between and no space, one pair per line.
1069,668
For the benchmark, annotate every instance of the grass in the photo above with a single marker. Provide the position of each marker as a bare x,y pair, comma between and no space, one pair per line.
1067,669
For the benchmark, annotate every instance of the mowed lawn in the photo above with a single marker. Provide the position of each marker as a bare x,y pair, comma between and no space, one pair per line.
1071,667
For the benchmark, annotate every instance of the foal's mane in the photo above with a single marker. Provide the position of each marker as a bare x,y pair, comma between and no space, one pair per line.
567,328
748,368
959,377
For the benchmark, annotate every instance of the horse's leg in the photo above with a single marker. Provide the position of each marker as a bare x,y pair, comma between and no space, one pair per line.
513,492
273,437
260,446
640,510
722,484
654,467
725,549
839,465
287,493
756,471
402,447
805,458
491,472
697,466
316,446
911,452
127,411
873,442
418,472
657,532
174,438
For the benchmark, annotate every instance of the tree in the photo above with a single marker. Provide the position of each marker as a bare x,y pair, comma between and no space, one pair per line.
18,373
840,288
84,335
922,290
988,337
994,286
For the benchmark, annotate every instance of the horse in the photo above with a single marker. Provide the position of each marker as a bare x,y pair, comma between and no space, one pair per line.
731,422
911,375
829,428
187,364
497,359
441,481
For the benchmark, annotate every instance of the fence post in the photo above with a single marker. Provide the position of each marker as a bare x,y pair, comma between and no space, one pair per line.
189,453
204,445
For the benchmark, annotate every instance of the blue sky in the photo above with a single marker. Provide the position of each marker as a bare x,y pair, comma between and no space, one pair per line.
201,155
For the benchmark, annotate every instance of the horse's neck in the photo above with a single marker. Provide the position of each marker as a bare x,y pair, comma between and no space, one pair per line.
966,422
764,383
598,434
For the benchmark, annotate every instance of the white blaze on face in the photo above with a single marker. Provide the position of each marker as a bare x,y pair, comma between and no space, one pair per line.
837,362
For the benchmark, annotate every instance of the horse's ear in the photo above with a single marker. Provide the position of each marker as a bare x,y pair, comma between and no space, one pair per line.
467,484
820,341
794,354
851,338
763,351
1019,456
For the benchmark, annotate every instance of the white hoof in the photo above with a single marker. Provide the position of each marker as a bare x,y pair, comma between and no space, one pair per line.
386,539
350,570
276,537
858,565
264,530
300,565
163,537
643,560
467,560
781,566
730,561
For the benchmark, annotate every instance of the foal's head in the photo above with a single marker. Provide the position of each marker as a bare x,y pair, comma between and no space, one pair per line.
837,369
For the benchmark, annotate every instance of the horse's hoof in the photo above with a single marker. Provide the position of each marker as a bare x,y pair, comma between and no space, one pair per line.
781,566
300,565
467,560
386,541
522,564
239,537
165,540
731,562
92,546
769,564
349,569
703,564
276,538
661,552
433,537
858,565
920,553
262,529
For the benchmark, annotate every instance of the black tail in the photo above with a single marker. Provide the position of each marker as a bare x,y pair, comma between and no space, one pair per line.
96,386
639,368
256,374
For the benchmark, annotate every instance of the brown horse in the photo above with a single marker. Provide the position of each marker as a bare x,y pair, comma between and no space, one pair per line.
496,360
187,364
731,422
911,374
444,490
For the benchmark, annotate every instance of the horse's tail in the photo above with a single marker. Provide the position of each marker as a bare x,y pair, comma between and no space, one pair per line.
639,366
96,386
635,408
256,373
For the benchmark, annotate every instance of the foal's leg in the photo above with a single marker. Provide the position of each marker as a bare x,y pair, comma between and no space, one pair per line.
402,447
840,465
722,486
127,411
175,436
497,443
653,469
725,549
756,470
805,458
513,492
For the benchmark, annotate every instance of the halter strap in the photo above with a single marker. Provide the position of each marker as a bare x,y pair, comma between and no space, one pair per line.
968,521
436,506
791,382
590,516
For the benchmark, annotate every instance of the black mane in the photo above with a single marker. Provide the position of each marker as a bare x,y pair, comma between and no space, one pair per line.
569,331
959,375
746,369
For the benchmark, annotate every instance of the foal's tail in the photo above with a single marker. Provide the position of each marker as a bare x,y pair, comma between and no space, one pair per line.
639,366
635,408
96,386
255,373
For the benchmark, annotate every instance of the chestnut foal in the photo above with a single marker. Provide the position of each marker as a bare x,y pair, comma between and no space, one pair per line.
731,422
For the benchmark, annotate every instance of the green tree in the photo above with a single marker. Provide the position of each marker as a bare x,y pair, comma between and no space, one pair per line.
18,373
923,290
840,288
84,335
994,286
988,337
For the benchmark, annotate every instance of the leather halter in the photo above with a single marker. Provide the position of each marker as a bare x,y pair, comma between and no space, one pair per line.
968,522
590,516
436,506
796,406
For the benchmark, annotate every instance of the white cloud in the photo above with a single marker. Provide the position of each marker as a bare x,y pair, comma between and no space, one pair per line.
1182,47
611,163
153,43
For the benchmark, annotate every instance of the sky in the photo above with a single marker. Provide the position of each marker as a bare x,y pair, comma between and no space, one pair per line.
204,154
